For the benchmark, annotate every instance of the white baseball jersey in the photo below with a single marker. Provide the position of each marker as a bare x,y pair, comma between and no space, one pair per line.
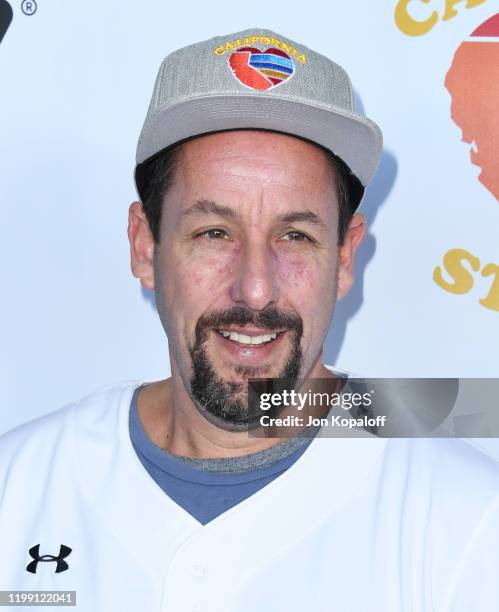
354,525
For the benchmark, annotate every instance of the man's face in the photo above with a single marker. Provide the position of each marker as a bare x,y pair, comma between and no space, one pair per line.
245,273
471,81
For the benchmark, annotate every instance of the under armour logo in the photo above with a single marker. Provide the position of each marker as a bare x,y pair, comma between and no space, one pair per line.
62,566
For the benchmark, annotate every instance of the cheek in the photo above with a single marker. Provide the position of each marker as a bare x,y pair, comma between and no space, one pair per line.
209,271
306,283
199,279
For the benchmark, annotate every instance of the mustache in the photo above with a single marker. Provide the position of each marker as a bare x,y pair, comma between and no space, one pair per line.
270,319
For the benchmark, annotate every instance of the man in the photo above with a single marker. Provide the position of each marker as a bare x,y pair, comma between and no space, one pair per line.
474,99
250,167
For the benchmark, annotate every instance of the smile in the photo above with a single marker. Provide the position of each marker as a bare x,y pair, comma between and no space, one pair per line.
250,346
246,339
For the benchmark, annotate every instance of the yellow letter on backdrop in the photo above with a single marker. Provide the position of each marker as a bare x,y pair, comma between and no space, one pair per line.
410,26
463,280
492,299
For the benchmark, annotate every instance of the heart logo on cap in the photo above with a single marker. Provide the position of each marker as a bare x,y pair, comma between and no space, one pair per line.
261,69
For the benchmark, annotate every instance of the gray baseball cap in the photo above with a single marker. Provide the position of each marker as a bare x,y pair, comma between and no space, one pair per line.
257,79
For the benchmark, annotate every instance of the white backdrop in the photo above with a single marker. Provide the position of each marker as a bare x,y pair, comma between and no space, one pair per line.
76,78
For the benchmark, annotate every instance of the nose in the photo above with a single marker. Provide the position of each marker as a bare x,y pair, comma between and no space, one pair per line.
255,284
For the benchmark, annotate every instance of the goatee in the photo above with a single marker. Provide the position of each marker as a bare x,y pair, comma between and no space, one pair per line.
225,403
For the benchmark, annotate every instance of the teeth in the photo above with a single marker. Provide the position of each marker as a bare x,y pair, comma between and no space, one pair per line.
244,339
474,147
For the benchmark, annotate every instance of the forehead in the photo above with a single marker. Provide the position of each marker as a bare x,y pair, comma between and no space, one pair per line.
253,164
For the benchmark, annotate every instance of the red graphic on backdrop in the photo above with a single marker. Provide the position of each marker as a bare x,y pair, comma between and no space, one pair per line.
261,69
473,83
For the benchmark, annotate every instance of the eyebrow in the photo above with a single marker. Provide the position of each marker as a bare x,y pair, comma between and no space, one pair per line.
306,216
208,207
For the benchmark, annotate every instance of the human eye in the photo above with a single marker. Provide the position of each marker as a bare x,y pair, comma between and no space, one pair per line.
213,234
295,236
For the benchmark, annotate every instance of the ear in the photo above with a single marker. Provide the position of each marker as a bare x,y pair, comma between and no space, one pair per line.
354,236
141,245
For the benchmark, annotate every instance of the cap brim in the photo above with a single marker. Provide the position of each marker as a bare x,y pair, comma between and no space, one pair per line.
353,138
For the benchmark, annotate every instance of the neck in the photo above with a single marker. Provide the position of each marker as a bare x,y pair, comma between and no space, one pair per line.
172,421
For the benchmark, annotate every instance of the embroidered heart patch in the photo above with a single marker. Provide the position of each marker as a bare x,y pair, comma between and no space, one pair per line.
261,69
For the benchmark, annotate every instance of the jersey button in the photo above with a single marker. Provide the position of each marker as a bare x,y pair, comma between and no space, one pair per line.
199,571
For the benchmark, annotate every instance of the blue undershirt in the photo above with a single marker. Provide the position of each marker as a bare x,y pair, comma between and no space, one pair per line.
206,488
